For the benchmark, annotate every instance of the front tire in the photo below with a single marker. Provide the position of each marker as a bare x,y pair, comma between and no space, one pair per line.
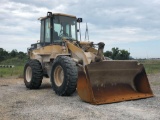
33,74
64,76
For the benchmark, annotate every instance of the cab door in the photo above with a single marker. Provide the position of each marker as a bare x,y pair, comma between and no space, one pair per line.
45,37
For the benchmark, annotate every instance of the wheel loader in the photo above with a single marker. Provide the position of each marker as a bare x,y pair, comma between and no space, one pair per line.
75,65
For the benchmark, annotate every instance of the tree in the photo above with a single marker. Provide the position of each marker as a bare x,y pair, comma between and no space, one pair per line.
117,54
13,53
3,54
21,55
108,54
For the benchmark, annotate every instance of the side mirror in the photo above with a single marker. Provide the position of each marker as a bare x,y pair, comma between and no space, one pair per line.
49,14
79,20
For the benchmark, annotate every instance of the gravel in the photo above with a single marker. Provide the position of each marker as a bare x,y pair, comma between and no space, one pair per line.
19,103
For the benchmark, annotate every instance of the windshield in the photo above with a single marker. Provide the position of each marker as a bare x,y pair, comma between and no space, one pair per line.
64,27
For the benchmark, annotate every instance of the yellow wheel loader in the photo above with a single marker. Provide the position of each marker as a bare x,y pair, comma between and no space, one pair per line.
79,65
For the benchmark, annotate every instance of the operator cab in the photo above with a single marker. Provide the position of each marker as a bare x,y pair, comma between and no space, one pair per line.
54,27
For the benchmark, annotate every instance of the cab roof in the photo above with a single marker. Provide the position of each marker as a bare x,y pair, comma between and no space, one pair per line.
57,14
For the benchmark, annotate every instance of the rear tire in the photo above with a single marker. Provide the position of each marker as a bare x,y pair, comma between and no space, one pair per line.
64,76
33,74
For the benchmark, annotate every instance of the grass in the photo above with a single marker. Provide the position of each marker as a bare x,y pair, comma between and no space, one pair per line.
14,61
16,71
151,66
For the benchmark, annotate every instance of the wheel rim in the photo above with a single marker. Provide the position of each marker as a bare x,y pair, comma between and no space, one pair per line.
58,75
28,74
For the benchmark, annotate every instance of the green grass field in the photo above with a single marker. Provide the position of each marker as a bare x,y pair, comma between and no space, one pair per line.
151,67
17,71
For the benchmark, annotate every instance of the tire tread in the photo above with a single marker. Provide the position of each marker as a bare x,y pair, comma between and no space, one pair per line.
71,75
37,74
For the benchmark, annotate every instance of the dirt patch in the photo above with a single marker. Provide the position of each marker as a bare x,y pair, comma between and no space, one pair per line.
17,102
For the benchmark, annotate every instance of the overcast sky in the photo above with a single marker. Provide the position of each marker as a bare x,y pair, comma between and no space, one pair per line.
131,25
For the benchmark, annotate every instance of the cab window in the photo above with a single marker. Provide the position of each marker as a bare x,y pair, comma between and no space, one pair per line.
47,31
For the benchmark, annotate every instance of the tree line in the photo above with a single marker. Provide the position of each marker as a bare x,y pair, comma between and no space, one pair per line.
115,54
4,55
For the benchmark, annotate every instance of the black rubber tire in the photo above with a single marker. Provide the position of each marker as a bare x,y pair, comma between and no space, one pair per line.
37,74
70,73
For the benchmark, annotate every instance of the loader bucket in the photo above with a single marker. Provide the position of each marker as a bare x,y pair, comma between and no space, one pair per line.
113,81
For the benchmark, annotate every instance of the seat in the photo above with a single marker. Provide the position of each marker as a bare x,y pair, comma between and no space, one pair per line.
55,35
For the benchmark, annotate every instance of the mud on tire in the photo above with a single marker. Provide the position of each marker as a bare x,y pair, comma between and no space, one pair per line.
33,74
64,75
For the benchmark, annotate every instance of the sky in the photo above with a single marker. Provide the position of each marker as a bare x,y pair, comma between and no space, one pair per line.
130,25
